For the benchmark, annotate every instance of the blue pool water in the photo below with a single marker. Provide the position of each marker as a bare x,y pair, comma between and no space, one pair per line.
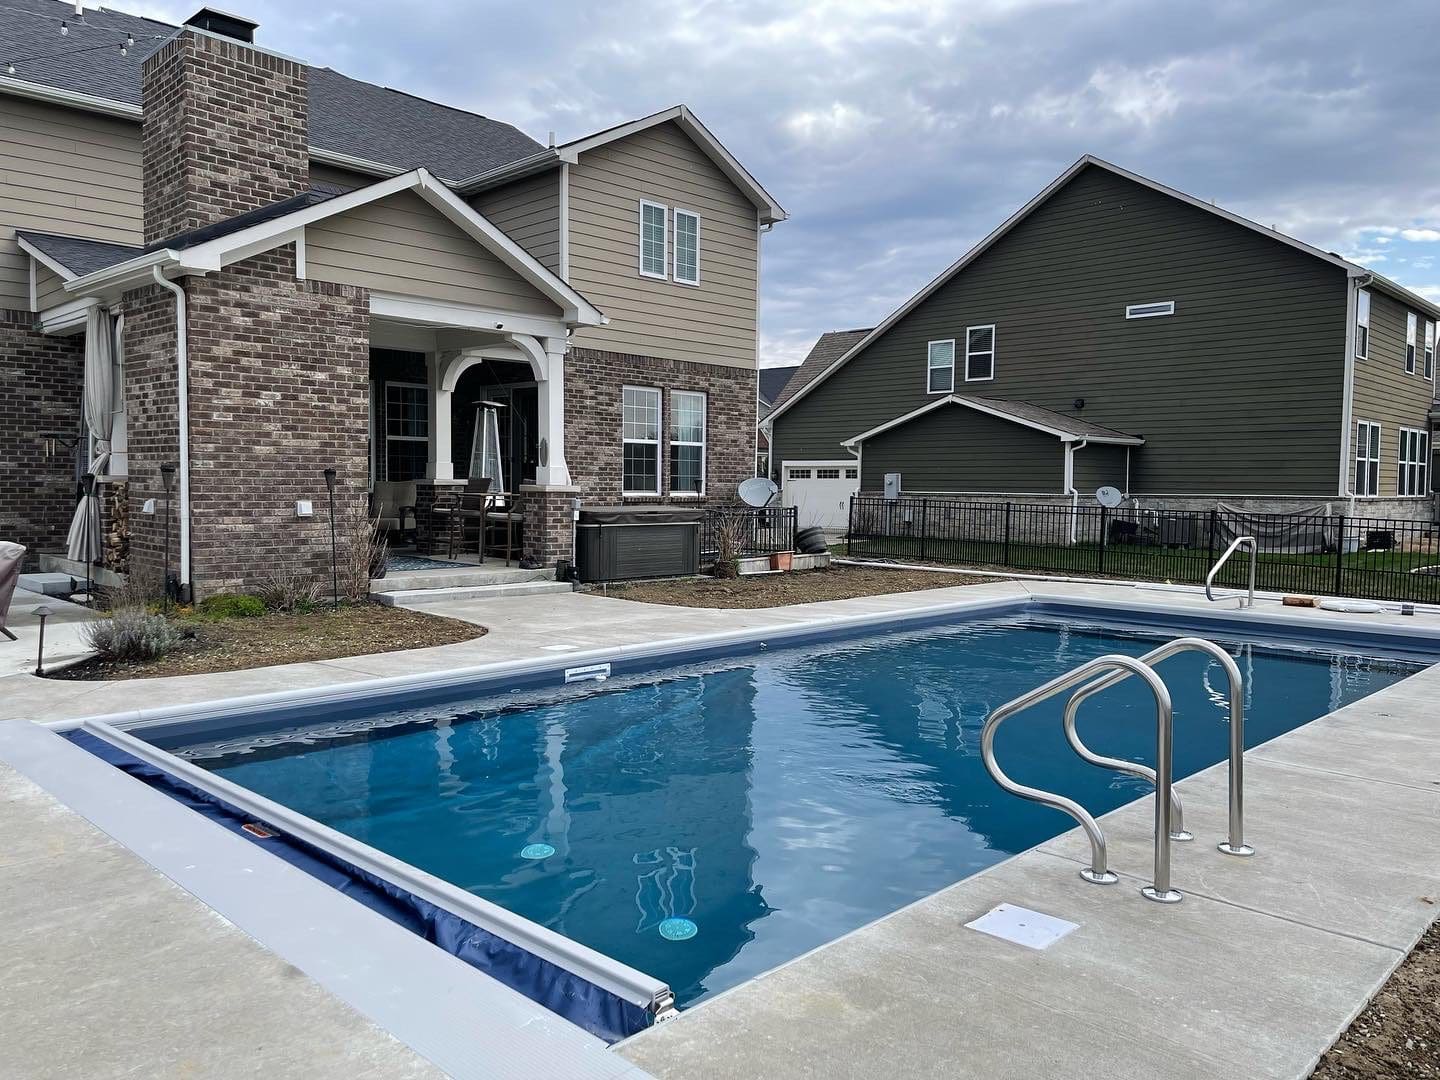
706,824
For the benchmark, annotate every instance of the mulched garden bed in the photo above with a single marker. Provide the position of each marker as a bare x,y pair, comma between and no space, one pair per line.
778,590
1398,1034
274,638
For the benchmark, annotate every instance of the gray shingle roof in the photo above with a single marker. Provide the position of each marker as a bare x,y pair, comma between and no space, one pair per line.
831,345
347,116
79,256
1036,414
773,380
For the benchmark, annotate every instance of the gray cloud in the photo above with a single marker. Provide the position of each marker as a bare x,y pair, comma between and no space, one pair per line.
898,134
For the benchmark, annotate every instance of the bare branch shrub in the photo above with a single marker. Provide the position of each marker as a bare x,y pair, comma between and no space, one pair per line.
363,545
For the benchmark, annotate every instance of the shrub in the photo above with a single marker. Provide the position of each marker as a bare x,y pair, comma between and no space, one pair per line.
130,635
363,546
290,588
231,606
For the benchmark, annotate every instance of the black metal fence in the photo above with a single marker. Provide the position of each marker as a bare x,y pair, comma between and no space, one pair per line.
755,530
1336,555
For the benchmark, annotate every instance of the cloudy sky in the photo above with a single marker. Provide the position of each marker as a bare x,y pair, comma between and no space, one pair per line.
899,132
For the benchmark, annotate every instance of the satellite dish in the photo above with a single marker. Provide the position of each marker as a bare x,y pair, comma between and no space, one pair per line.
758,491
1109,497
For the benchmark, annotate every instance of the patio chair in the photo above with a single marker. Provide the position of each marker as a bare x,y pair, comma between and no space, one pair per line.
391,502
10,556
501,521
456,514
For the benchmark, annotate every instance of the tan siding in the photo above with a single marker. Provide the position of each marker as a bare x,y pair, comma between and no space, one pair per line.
1384,393
63,171
49,289
403,245
710,323
529,212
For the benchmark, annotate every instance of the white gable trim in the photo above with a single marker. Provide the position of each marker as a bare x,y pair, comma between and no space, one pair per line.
214,254
44,260
1019,216
978,406
770,210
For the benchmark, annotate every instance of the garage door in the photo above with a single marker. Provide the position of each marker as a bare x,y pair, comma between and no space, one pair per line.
820,491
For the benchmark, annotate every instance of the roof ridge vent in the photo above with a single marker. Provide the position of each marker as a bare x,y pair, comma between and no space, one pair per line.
225,24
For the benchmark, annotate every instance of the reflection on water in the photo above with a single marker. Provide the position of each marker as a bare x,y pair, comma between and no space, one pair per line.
771,804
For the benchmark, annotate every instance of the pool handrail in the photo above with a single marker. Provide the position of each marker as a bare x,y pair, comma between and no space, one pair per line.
1240,541
1098,871
1235,843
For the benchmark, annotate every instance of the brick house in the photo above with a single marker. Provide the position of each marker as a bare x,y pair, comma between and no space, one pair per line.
303,271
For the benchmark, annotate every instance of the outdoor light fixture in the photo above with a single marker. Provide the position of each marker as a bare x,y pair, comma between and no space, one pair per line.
42,613
167,474
334,558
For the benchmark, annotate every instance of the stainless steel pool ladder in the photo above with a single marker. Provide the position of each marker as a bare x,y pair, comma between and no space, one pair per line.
1235,545
1169,822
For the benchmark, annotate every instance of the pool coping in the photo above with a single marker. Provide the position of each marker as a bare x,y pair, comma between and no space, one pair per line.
61,781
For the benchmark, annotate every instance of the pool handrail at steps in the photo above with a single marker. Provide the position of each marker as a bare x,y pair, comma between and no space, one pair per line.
1098,872
1240,541
1234,844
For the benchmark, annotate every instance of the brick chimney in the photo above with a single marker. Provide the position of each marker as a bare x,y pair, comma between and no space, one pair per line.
226,126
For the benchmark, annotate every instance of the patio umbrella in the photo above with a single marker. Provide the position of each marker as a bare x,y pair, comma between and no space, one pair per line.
84,542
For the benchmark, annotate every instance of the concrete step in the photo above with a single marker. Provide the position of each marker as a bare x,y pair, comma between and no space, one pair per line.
452,578
470,592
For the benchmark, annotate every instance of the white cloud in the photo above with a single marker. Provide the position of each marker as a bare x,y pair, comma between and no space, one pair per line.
1421,236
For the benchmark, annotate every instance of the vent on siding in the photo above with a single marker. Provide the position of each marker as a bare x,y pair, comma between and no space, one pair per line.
1150,311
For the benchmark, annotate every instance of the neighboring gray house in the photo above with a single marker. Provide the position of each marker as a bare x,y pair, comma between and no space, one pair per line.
772,383
1116,331
338,274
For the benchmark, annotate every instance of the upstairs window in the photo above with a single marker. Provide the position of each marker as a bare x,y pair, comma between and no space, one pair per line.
687,247
1414,476
1367,458
940,377
1430,349
641,440
1362,325
1410,321
652,239
687,443
979,353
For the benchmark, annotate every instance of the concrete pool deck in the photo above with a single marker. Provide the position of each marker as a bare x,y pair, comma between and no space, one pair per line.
1255,973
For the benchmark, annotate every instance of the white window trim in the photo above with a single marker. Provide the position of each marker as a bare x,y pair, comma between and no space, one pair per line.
930,345
704,439
992,351
1362,302
1420,464
385,420
655,442
1155,309
675,249
1412,352
664,239
1428,354
1373,444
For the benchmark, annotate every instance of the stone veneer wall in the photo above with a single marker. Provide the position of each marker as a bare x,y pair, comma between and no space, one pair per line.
226,130
40,384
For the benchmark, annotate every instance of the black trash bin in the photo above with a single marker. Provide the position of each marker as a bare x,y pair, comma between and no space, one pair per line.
617,543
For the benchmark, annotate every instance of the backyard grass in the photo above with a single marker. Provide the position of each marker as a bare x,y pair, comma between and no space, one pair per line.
778,590
1398,1034
233,644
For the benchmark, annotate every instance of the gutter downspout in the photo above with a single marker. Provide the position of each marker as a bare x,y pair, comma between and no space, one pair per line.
1070,448
1347,408
182,408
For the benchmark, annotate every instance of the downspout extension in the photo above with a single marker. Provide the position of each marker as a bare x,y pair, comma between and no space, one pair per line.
1070,489
182,408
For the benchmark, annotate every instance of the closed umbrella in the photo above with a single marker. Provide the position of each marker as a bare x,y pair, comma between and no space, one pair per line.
84,542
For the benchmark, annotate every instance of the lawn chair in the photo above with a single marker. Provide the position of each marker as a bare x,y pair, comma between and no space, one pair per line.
10,556
458,513
391,503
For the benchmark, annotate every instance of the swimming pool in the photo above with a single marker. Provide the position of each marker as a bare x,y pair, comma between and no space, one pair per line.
705,823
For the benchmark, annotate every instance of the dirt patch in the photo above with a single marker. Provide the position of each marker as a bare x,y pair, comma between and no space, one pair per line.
1398,1034
778,590
236,644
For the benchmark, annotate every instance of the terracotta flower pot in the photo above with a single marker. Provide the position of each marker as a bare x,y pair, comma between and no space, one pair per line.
782,560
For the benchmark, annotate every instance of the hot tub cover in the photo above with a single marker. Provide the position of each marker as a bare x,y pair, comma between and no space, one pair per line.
641,515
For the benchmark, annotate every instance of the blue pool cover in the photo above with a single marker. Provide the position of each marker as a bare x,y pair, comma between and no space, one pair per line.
583,1003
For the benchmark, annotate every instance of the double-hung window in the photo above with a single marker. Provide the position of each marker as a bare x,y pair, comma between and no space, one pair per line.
1362,325
652,238
940,367
1430,349
407,430
687,247
1410,321
687,443
979,353
641,440
1367,458
1414,476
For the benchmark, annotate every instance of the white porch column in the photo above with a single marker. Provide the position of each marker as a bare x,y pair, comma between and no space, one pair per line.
553,470
440,464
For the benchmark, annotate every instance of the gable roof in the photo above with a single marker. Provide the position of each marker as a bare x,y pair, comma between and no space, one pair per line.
773,380
214,246
355,123
828,348
1088,161
1064,427
73,256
